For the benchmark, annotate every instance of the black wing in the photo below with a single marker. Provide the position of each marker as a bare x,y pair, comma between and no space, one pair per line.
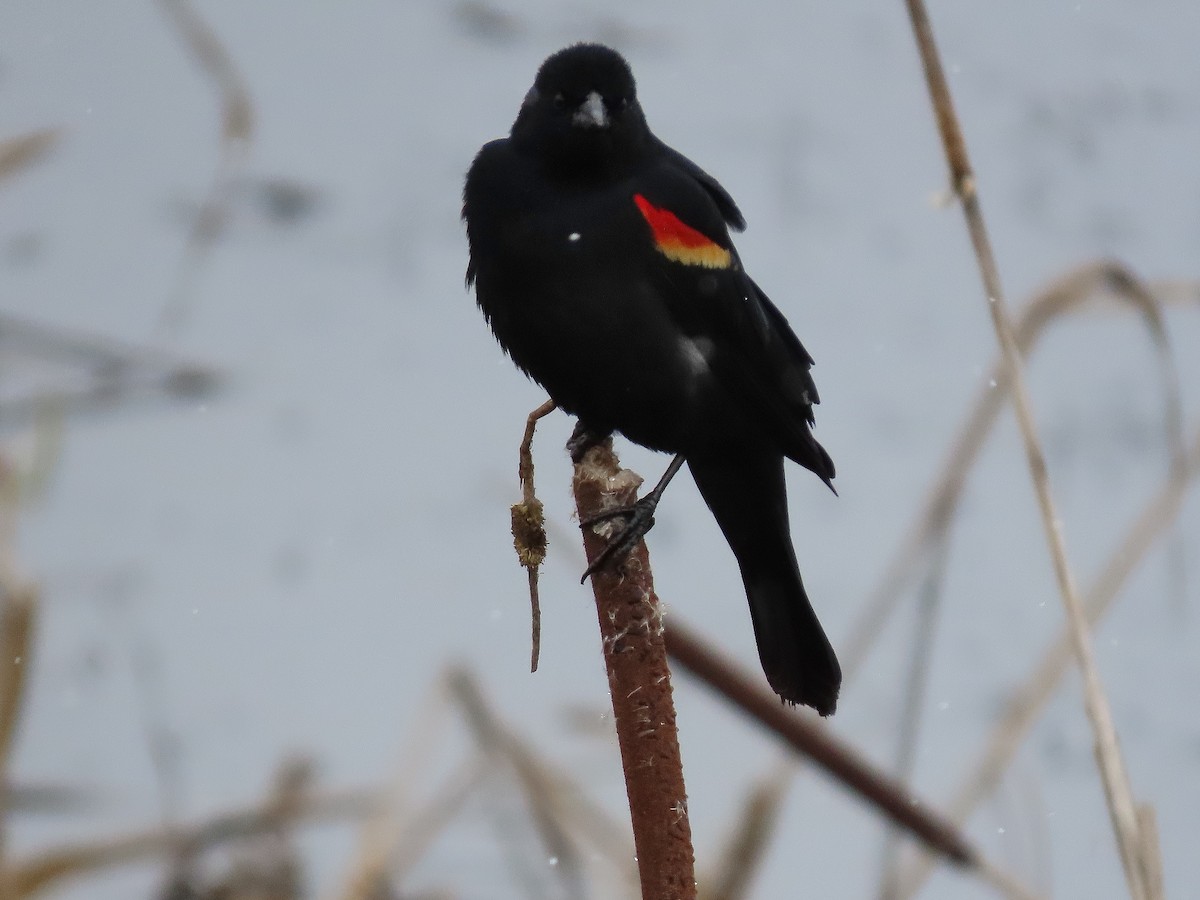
725,205
773,375
757,355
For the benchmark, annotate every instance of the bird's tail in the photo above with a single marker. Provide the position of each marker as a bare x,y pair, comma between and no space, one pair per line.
748,497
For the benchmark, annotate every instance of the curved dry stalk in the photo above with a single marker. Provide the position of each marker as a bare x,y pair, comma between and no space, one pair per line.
747,847
574,811
493,742
1087,287
1029,700
1117,789
430,820
382,834
394,838
560,806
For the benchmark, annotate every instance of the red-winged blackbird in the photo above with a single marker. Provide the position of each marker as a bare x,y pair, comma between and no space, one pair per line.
602,260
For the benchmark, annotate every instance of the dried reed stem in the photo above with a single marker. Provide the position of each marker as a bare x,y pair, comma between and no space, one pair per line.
554,795
1117,790
640,684
1028,700
17,623
427,823
237,131
817,743
916,686
40,870
1066,295
114,374
382,834
746,848
493,741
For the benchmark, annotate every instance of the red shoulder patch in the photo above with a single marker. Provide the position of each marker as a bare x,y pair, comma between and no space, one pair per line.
679,241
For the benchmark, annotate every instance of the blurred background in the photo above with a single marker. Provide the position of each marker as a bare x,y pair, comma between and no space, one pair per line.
259,445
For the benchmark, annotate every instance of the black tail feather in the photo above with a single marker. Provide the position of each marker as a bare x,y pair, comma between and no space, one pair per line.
748,497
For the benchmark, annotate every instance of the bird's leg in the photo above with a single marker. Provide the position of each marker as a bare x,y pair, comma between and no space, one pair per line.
639,518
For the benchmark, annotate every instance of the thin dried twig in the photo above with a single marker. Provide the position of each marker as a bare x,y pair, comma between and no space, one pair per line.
1117,789
920,655
529,528
747,846
162,744
640,684
237,131
53,370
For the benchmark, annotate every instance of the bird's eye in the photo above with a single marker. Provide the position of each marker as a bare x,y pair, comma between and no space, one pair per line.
560,102
623,103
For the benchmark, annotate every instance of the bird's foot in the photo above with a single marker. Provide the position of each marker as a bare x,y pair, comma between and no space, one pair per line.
584,439
639,519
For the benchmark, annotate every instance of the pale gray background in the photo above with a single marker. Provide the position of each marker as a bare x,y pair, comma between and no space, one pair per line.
304,552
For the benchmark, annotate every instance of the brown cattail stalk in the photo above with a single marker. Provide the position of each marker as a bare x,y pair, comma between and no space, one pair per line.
640,683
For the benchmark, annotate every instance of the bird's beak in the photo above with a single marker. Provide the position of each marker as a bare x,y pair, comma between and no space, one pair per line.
591,113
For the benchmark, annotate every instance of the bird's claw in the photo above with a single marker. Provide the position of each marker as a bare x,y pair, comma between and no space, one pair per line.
584,439
639,519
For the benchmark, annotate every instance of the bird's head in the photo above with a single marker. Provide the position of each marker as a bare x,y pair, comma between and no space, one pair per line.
582,112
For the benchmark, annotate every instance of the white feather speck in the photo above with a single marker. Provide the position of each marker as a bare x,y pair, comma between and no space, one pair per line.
695,354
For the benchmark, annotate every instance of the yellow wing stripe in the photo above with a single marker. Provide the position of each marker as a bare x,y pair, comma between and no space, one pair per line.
679,241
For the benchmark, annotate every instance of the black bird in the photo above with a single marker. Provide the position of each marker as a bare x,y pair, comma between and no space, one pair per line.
602,260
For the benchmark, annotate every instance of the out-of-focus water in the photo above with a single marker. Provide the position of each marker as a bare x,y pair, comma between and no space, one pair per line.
295,559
